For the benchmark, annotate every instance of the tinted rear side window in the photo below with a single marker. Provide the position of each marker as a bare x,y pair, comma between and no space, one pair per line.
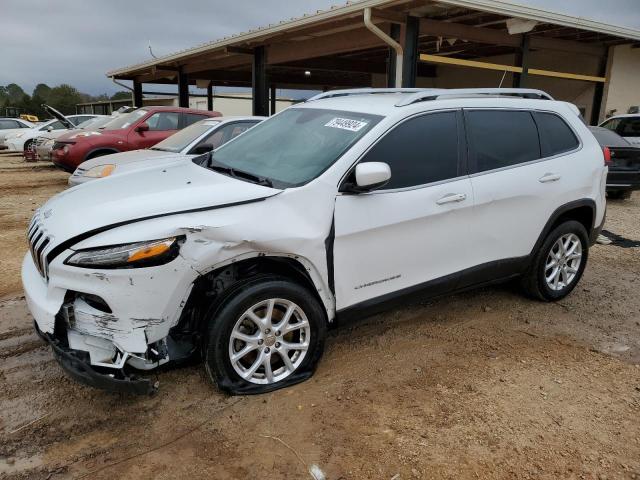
419,151
555,135
502,138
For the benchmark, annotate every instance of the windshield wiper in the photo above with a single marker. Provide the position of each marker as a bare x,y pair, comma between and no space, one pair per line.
239,174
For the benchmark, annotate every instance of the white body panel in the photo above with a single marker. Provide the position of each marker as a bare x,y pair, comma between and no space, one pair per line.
383,242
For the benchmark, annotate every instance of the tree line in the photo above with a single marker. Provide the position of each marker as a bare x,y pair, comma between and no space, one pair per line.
63,98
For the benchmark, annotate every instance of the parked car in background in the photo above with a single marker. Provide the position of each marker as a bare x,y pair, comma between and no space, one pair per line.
142,128
9,126
334,208
43,145
21,140
624,163
627,126
196,139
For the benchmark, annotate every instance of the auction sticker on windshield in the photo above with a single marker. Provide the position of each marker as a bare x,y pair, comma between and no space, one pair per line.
346,124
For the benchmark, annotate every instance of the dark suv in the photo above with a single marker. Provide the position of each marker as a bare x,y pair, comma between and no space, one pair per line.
142,128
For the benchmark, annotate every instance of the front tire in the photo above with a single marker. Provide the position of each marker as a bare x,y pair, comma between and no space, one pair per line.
268,334
559,263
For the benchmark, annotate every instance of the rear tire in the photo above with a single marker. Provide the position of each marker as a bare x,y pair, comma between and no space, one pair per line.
268,334
559,263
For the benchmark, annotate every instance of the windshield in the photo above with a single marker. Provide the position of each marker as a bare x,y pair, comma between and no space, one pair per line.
295,146
126,120
182,139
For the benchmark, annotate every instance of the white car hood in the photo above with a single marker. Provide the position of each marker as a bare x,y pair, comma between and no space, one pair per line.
127,158
174,188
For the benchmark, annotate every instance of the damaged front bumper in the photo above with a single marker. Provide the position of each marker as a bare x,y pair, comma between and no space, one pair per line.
77,365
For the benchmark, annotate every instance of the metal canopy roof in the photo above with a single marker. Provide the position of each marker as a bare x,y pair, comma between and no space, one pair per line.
343,53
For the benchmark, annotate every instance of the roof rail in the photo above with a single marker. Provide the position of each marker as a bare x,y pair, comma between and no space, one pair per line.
369,91
434,94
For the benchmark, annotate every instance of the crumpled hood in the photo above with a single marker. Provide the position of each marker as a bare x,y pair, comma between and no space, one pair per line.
140,194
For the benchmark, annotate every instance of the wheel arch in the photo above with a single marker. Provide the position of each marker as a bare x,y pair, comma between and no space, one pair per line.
211,289
583,211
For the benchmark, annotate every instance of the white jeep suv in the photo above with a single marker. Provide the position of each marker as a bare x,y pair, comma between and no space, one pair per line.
331,209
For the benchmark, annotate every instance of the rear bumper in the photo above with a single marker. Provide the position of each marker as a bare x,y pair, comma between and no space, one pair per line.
76,364
618,180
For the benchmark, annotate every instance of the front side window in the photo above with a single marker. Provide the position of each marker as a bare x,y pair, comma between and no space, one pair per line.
182,139
502,138
226,133
556,136
78,120
295,146
57,125
419,151
162,121
612,124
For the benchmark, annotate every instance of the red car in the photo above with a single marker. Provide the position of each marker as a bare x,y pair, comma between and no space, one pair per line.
142,128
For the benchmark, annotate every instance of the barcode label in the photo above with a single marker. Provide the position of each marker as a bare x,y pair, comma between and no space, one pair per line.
346,124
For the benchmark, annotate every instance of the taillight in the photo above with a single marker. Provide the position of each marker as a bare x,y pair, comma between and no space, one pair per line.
607,156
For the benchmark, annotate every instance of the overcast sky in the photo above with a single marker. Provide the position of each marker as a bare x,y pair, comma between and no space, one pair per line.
77,41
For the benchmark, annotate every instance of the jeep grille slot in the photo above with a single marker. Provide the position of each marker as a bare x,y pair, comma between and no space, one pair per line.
38,242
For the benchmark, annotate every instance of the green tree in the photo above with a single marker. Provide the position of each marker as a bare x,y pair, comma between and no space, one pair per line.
121,95
65,98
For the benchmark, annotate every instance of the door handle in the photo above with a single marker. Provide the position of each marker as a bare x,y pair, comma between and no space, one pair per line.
549,177
451,198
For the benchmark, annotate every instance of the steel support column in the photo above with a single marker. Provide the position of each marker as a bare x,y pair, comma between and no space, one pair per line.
598,91
259,82
183,89
210,96
137,94
522,60
391,67
410,60
272,97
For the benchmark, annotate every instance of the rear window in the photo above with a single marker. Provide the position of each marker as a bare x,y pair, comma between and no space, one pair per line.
556,136
191,118
502,138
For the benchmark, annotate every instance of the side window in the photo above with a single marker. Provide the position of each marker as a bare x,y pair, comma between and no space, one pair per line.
421,150
163,121
555,135
502,138
191,118
629,127
612,124
7,124
226,133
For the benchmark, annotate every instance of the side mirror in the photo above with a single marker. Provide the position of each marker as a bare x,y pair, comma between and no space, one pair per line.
49,128
368,177
143,127
202,148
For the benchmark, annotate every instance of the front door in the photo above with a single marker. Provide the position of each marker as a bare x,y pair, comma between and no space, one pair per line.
413,230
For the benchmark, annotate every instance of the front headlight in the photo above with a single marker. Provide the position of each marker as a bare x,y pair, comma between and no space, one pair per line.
130,255
100,171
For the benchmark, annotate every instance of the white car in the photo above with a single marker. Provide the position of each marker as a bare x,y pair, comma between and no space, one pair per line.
196,139
9,126
333,208
22,140
627,126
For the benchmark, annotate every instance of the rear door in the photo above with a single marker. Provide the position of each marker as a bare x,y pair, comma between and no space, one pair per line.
521,171
161,125
416,228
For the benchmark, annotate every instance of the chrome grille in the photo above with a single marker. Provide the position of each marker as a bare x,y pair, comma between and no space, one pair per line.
38,243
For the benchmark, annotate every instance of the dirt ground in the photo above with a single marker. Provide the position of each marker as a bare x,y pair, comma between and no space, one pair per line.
486,384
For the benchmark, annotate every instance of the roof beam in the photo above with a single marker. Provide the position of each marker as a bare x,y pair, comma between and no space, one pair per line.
501,37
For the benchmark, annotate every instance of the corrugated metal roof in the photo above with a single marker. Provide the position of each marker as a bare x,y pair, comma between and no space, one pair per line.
493,6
